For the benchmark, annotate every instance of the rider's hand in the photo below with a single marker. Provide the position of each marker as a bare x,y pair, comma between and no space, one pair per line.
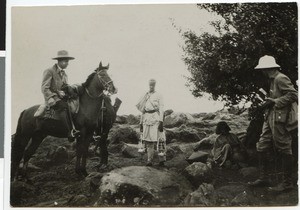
160,126
61,94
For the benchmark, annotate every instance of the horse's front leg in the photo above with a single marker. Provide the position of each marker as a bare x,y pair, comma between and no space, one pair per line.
86,144
79,151
103,151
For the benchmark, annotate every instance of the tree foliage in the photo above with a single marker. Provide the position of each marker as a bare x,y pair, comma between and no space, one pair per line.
222,64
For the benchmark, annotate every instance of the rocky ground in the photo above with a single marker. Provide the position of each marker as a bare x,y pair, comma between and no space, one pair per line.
128,182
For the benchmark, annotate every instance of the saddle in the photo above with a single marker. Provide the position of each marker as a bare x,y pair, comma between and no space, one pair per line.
73,92
45,111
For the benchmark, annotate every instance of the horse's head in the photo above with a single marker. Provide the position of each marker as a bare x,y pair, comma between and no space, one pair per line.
105,81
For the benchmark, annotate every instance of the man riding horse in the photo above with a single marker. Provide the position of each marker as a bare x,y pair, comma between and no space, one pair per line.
54,79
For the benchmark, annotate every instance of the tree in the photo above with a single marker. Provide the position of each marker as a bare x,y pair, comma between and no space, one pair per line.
222,64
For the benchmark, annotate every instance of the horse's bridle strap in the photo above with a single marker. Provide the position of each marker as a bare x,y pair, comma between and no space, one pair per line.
90,95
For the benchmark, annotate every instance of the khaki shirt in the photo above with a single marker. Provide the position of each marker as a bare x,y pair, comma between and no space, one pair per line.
53,80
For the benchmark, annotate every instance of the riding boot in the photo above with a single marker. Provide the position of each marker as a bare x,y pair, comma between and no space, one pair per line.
63,108
263,179
286,184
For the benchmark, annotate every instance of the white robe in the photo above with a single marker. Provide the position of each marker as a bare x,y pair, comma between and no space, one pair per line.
150,121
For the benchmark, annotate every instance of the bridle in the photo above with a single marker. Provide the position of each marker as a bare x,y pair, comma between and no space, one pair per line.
103,82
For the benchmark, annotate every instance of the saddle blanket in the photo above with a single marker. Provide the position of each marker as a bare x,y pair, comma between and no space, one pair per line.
47,112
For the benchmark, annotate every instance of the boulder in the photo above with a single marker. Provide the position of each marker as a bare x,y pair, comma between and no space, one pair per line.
209,116
178,163
250,172
124,134
168,112
177,118
130,150
121,119
92,182
198,173
244,198
199,115
198,156
133,120
147,186
184,134
207,142
78,200
59,156
203,196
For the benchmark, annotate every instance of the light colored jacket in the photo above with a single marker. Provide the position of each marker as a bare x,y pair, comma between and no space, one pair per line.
52,83
286,97
154,102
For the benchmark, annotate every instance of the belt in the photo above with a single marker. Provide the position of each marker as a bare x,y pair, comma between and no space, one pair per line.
151,111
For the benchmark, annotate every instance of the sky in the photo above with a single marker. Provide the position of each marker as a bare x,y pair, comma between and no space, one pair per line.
138,41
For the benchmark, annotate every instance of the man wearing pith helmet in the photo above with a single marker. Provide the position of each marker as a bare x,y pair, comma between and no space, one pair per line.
54,78
280,118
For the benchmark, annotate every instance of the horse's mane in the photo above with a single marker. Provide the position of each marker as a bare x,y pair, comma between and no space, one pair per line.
89,79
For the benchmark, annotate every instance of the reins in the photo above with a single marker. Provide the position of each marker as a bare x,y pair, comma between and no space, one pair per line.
105,85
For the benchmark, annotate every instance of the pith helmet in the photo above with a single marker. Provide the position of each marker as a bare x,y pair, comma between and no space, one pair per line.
63,54
267,62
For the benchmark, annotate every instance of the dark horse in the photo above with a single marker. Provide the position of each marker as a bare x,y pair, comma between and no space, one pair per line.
106,119
86,121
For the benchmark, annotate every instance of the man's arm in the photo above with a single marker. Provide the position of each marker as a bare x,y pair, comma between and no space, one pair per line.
289,96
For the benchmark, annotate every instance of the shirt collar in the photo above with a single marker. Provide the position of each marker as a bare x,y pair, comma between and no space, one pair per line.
58,68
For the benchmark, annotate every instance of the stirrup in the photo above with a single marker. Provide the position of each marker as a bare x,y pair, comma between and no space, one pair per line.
96,137
75,133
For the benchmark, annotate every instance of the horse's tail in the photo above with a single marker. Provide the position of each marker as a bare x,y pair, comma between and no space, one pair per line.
17,149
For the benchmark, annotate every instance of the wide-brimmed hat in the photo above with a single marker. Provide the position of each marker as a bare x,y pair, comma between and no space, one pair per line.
267,62
63,54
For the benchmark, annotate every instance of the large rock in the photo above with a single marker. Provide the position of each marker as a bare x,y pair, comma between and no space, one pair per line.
130,150
198,156
245,198
124,134
139,185
133,120
92,182
209,116
207,142
78,200
168,112
177,118
184,134
121,119
198,173
250,172
203,196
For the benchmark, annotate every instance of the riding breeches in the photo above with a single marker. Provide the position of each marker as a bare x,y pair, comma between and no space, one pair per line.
274,135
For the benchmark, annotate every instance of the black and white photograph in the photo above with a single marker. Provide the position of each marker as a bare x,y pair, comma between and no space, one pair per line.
153,105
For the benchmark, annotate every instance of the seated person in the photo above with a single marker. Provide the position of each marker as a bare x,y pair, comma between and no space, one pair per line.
227,146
